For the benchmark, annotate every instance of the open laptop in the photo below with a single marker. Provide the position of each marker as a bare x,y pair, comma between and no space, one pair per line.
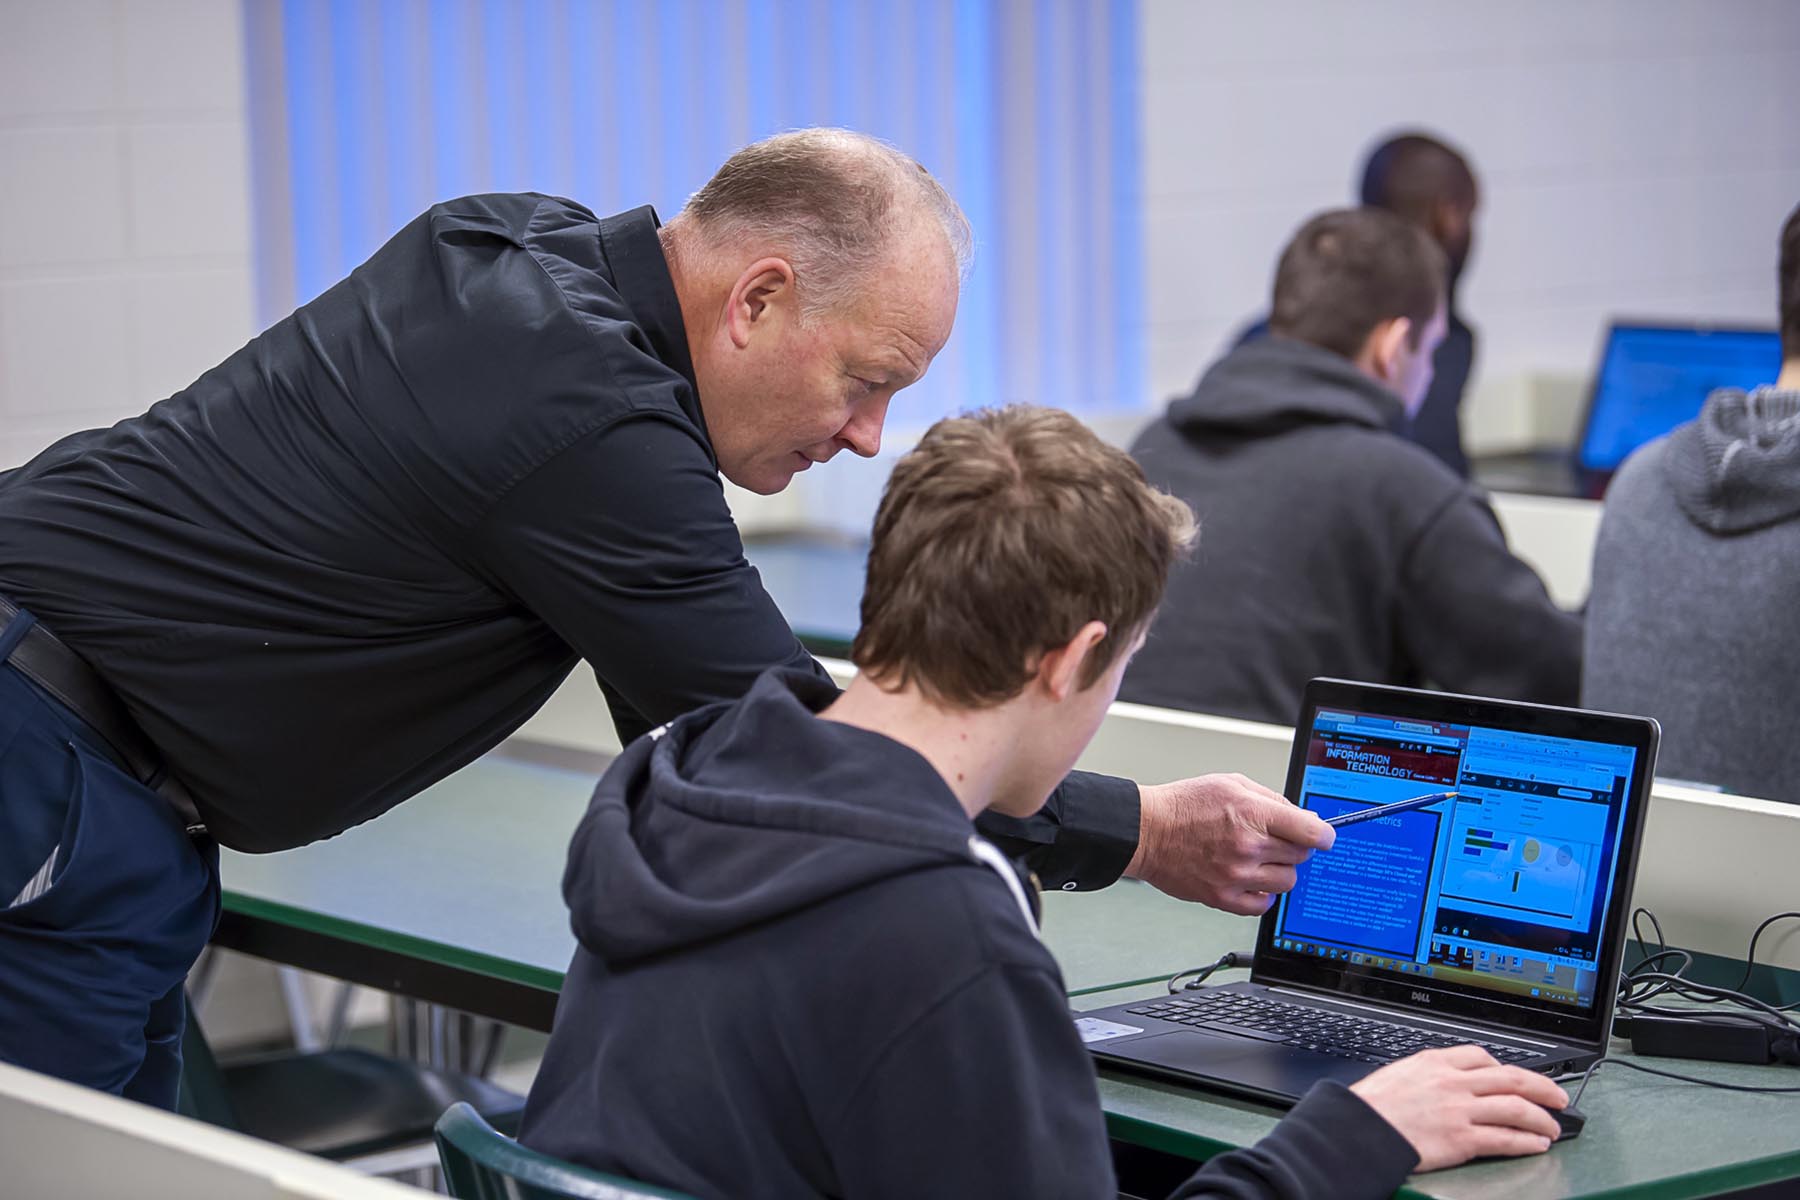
1497,917
1651,377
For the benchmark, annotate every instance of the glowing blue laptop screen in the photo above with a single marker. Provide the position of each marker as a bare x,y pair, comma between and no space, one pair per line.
1505,888
1652,379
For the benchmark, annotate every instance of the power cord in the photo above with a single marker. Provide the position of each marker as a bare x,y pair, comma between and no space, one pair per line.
1749,1030
1231,958
1629,978
1750,957
1638,1066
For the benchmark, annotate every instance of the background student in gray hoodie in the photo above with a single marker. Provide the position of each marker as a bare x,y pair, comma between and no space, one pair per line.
1334,547
1692,618
800,970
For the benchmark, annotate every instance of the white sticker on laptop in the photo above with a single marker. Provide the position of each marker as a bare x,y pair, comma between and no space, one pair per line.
1093,1029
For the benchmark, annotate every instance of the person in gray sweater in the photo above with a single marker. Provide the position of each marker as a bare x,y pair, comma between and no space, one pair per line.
1344,549
1696,571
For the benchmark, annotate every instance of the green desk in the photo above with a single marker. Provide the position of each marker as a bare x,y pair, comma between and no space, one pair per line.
1647,1138
817,583
455,897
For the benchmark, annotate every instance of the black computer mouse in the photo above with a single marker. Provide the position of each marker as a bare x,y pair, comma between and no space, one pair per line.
1569,1120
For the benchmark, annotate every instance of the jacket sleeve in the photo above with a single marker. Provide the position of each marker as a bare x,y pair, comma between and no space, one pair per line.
1331,1144
623,544
1082,839
1475,618
989,1093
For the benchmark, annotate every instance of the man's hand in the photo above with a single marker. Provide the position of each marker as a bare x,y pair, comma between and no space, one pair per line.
1224,841
1459,1103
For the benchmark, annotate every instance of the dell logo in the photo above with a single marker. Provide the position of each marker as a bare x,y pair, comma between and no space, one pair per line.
1422,997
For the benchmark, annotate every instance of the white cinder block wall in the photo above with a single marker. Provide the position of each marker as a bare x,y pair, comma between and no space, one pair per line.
124,208
1636,157
125,254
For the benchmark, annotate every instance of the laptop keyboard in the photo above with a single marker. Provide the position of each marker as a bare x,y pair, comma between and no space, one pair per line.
1322,1030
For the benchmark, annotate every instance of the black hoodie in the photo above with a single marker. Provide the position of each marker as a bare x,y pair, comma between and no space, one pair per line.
1329,546
798,976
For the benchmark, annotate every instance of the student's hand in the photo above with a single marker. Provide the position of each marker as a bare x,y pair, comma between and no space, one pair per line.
1223,840
1460,1103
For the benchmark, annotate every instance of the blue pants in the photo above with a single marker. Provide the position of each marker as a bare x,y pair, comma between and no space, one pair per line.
114,903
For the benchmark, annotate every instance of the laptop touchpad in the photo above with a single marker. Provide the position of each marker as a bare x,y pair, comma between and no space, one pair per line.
1265,1067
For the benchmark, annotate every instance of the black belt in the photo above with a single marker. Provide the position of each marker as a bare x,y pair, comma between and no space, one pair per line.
44,660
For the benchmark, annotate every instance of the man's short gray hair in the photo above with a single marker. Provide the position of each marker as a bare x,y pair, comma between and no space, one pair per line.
831,200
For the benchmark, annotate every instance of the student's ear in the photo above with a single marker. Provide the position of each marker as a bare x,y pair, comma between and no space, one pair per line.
1060,670
760,299
1387,341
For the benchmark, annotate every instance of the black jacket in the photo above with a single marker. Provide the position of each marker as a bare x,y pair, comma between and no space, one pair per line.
795,978
1328,546
370,544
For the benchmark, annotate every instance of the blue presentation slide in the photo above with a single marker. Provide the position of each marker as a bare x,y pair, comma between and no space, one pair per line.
1369,891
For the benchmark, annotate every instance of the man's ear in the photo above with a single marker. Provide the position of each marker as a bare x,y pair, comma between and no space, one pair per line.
759,298
1059,671
1445,221
1387,341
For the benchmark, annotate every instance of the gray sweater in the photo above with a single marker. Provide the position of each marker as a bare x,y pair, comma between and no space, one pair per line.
1694,617
1329,546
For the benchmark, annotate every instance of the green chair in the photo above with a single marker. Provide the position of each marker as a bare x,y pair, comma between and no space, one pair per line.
483,1164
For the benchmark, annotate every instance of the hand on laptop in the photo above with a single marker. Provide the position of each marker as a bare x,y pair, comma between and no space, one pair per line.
1223,840
1460,1103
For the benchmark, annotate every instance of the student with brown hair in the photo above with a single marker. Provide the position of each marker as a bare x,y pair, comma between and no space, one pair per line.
801,972
363,549
1333,546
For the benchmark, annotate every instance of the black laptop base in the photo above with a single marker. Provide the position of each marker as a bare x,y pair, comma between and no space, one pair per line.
1194,1037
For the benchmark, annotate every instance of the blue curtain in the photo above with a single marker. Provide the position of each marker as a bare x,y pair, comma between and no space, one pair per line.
365,112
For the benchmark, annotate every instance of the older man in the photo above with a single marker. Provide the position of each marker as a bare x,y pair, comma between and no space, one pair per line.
367,546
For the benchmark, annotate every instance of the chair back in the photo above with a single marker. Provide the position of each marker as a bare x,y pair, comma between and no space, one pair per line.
483,1164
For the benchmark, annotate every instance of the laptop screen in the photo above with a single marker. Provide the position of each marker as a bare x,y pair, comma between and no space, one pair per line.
1652,378
1510,892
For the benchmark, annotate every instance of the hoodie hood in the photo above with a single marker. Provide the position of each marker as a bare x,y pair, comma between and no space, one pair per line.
740,813
1276,383
1737,467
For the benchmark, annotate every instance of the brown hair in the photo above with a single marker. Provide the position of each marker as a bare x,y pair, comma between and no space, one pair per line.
831,200
1350,269
998,537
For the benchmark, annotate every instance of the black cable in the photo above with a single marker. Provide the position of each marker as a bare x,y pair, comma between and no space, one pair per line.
1637,1066
1750,956
1655,982
1690,989
1629,978
1225,961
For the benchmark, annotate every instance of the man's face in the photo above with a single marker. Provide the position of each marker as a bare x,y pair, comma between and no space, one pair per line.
1413,367
797,392
1454,230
